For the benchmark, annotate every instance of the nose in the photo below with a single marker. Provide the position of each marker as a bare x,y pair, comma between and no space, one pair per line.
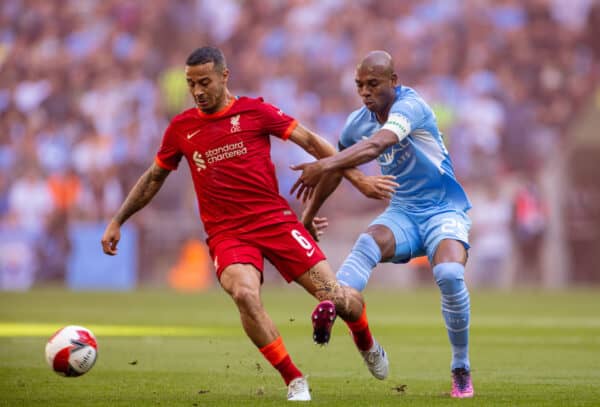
197,90
363,91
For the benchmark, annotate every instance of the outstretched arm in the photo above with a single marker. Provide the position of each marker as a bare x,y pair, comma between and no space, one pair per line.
360,153
140,195
325,188
376,187
372,186
312,143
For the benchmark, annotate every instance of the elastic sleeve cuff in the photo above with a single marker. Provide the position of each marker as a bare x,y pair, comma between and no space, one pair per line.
288,132
161,164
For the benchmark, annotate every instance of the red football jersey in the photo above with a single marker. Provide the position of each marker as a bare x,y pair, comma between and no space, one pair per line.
229,155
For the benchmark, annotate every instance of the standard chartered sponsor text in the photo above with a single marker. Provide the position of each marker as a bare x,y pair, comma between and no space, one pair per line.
225,152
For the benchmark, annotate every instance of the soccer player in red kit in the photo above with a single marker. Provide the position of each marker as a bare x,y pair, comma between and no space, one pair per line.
226,143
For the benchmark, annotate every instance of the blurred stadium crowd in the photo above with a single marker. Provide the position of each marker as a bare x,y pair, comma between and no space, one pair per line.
87,87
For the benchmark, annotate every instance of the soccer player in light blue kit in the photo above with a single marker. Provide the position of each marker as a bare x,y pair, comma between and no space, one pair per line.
426,215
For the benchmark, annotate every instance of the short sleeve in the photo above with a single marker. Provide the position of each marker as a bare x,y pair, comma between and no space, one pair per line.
169,155
346,139
275,122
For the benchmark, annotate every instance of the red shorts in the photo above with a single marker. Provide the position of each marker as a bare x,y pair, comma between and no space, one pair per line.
288,246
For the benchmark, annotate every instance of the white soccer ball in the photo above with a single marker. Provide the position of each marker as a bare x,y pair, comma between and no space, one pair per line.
72,351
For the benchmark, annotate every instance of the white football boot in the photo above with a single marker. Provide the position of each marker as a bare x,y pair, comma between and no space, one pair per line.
377,361
298,390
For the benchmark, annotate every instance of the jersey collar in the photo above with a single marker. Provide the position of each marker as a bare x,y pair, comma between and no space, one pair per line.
219,113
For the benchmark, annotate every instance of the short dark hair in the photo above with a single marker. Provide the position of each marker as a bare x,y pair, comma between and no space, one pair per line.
204,55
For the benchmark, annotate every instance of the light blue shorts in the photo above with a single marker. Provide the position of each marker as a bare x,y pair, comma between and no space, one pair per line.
420,234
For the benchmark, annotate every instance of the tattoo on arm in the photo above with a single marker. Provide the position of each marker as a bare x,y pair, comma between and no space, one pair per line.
142,193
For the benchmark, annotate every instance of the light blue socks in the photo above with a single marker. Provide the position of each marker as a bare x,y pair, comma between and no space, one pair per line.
359,264
456,309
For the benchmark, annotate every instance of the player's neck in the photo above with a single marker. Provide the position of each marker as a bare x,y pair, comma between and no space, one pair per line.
227,100
383,114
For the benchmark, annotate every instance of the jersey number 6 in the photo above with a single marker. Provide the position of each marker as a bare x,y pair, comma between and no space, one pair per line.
306,245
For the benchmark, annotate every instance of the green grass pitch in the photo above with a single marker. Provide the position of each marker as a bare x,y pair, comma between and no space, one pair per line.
162,348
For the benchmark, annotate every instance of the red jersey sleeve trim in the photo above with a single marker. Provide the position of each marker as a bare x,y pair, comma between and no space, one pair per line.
219,113
289,130
163,165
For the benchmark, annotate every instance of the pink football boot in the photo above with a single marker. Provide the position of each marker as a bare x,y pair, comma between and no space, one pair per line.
323,318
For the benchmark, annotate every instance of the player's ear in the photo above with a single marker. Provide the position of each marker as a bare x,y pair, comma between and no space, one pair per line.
225,74
394,79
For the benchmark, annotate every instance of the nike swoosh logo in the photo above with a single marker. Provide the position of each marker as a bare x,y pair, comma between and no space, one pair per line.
310,252
190,135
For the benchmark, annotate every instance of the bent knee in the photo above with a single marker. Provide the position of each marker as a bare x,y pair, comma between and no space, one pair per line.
348,303
244,295
384,238
449,276
450,251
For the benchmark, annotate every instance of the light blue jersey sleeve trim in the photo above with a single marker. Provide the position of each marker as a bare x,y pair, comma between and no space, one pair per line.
346,139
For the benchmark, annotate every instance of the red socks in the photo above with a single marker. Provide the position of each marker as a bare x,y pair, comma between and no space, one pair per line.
361,332
278,356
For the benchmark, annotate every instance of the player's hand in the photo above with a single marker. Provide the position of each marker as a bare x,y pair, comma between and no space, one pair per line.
111,237
316,227
377,186
308,180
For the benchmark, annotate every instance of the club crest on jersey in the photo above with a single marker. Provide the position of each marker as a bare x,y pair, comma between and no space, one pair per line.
199,161
235,124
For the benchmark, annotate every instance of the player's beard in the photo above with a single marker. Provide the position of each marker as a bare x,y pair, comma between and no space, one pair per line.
203,103
218,101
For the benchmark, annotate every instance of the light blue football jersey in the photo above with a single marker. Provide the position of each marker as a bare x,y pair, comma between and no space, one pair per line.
420,162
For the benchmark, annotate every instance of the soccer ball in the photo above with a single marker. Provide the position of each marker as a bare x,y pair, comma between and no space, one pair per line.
72,351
